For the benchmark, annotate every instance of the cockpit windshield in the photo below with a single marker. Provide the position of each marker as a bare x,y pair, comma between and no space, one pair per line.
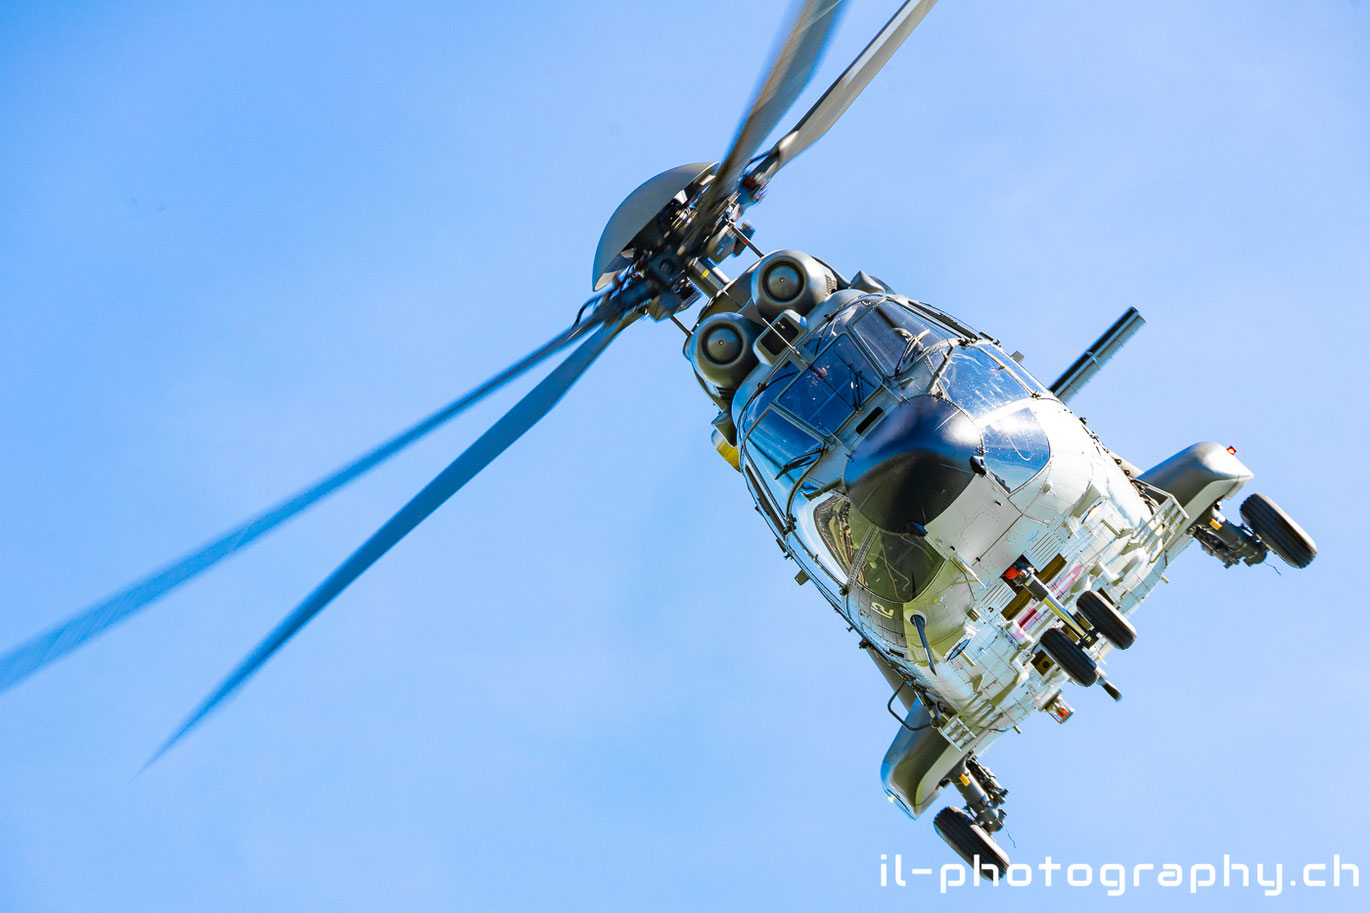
978,383
895,336
852,353
1016,446
899,337
874,343
892,567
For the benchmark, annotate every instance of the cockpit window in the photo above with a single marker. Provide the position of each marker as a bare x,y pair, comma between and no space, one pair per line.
995,396
1016,446
834,327
897,567
1025,376
827,393
893,567
766,395
781,451
897,337
833,519
979,384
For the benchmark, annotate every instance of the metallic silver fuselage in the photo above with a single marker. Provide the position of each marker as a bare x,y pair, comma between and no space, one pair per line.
1077,512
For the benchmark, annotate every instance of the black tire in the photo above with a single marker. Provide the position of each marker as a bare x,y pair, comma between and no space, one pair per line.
969,840
1278,531
1071,657
1105,618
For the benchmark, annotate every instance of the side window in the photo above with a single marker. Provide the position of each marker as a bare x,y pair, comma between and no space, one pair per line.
763,499
763,398
780,451
828,393
1016,447
833,519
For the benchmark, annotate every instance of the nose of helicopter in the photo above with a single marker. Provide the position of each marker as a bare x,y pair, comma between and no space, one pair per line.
911,466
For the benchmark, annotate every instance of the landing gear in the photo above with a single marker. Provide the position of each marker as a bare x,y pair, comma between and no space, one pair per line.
1070,656
1278,531
970,841
1105,618
1099,613
967,831
1265,528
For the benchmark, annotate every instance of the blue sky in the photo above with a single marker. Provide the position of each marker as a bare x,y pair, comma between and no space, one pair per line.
240,243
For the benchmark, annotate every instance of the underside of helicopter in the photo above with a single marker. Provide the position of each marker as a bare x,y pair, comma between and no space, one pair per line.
982,542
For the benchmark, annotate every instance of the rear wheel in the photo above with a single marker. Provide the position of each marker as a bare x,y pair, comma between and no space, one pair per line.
1105,618
1071,657
1278,531
969,840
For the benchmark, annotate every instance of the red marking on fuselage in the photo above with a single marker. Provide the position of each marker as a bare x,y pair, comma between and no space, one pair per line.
1059,586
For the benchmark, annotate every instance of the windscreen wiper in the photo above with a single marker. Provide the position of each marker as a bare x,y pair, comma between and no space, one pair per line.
912,345
803,458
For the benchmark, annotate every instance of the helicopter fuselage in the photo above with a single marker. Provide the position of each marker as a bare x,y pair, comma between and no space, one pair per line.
905,462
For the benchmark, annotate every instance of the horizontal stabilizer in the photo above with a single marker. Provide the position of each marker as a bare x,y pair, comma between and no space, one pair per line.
1104,348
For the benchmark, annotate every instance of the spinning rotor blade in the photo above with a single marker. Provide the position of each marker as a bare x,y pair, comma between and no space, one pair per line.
510,427
56,642
794,64
850,84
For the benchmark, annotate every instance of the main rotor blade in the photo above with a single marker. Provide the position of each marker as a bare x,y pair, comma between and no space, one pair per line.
510,427
793,65
56,642
850,84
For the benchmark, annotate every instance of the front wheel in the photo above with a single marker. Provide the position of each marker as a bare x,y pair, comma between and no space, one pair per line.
970,841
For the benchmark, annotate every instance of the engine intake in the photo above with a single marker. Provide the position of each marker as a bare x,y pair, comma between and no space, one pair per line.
721,349
788,280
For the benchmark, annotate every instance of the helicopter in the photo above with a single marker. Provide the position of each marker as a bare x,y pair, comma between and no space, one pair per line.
894,451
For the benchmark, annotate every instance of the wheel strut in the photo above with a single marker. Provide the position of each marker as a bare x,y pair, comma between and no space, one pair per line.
982,793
